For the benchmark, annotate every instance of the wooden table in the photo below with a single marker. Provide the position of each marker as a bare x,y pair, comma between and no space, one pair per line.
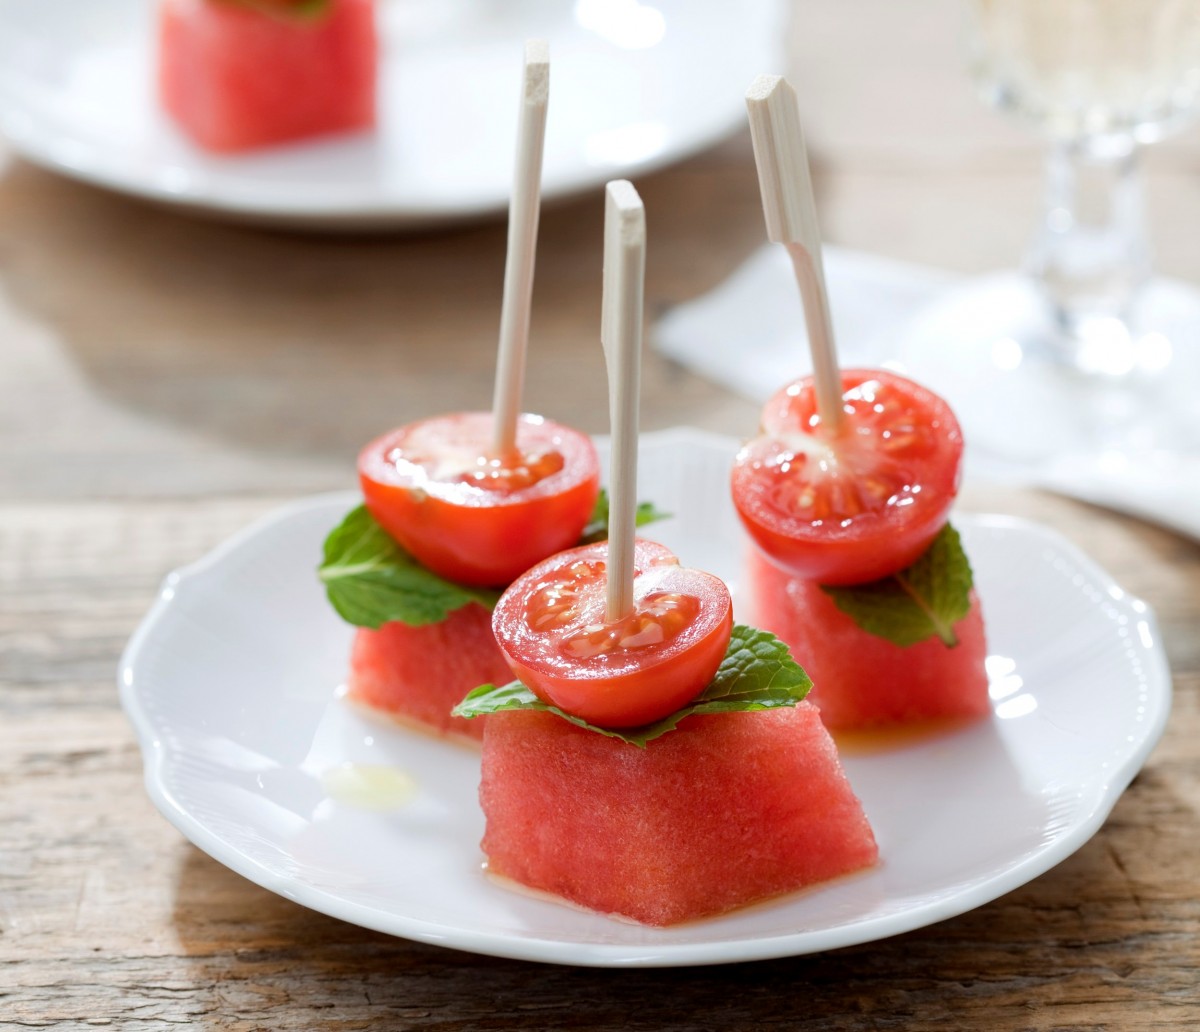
164,380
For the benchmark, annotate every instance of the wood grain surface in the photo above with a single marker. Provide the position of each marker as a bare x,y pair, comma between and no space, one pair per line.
163,381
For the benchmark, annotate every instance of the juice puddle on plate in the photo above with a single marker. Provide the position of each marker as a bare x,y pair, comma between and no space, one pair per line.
897,736
507,884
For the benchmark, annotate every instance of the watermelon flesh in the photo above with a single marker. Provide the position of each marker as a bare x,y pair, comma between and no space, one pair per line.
418,674
726,810
861,681
235,78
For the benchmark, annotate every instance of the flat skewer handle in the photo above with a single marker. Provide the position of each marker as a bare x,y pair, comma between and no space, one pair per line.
621,335
523,211
785,182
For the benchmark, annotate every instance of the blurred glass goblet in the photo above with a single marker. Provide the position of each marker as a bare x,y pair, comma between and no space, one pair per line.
1083,353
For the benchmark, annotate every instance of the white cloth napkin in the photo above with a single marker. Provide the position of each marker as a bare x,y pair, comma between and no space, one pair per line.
748,333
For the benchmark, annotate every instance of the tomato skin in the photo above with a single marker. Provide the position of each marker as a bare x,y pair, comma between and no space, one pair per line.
888,479
480,536
622,687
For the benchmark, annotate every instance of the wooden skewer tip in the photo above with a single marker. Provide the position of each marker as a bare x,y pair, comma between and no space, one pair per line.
762,87
626,204
624,229
537,71
782,160
523,212
785,181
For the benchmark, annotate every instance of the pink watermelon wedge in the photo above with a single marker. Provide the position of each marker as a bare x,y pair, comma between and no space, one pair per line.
728,809
237,75
860,680
418,674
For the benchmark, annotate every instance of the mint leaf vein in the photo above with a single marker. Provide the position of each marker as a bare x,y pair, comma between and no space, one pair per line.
923,601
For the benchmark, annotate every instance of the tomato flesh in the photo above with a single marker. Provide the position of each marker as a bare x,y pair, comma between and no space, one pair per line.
551,625
474,517
860,505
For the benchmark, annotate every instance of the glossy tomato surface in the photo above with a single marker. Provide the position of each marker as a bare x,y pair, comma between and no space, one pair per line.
856,506
551,625
473,518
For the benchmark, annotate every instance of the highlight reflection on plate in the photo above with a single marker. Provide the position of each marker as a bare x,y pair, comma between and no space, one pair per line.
634,86
231,682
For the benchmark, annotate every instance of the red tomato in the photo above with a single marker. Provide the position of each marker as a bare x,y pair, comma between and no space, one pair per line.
476,519
551,626
863,504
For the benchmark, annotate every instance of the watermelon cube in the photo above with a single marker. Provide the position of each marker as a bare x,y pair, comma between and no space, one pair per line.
418,674
862,681
727,809
236,76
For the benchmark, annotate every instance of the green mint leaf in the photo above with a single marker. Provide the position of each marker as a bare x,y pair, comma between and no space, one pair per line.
757,673
370,579
596,528
757,668
923,601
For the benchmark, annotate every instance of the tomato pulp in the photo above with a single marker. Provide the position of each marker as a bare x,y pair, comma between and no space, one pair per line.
475,518
551,625
860,505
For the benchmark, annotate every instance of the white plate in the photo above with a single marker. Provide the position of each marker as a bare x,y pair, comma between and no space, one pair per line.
634,87
231,683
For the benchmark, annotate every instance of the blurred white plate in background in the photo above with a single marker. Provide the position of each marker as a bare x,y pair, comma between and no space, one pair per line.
633,87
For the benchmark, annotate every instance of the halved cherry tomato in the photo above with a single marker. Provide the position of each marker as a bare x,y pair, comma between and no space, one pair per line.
551,626
475,518
863,504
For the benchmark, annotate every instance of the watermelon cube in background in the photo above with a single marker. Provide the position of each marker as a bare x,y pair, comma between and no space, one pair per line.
240,74
418,674
862,681
726,810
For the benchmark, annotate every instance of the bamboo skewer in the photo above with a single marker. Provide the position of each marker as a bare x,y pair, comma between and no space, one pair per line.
523,211
785,181
621,335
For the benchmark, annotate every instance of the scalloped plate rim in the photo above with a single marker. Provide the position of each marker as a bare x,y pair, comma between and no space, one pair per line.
551,950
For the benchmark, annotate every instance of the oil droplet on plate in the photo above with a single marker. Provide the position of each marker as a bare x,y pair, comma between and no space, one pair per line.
369,786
